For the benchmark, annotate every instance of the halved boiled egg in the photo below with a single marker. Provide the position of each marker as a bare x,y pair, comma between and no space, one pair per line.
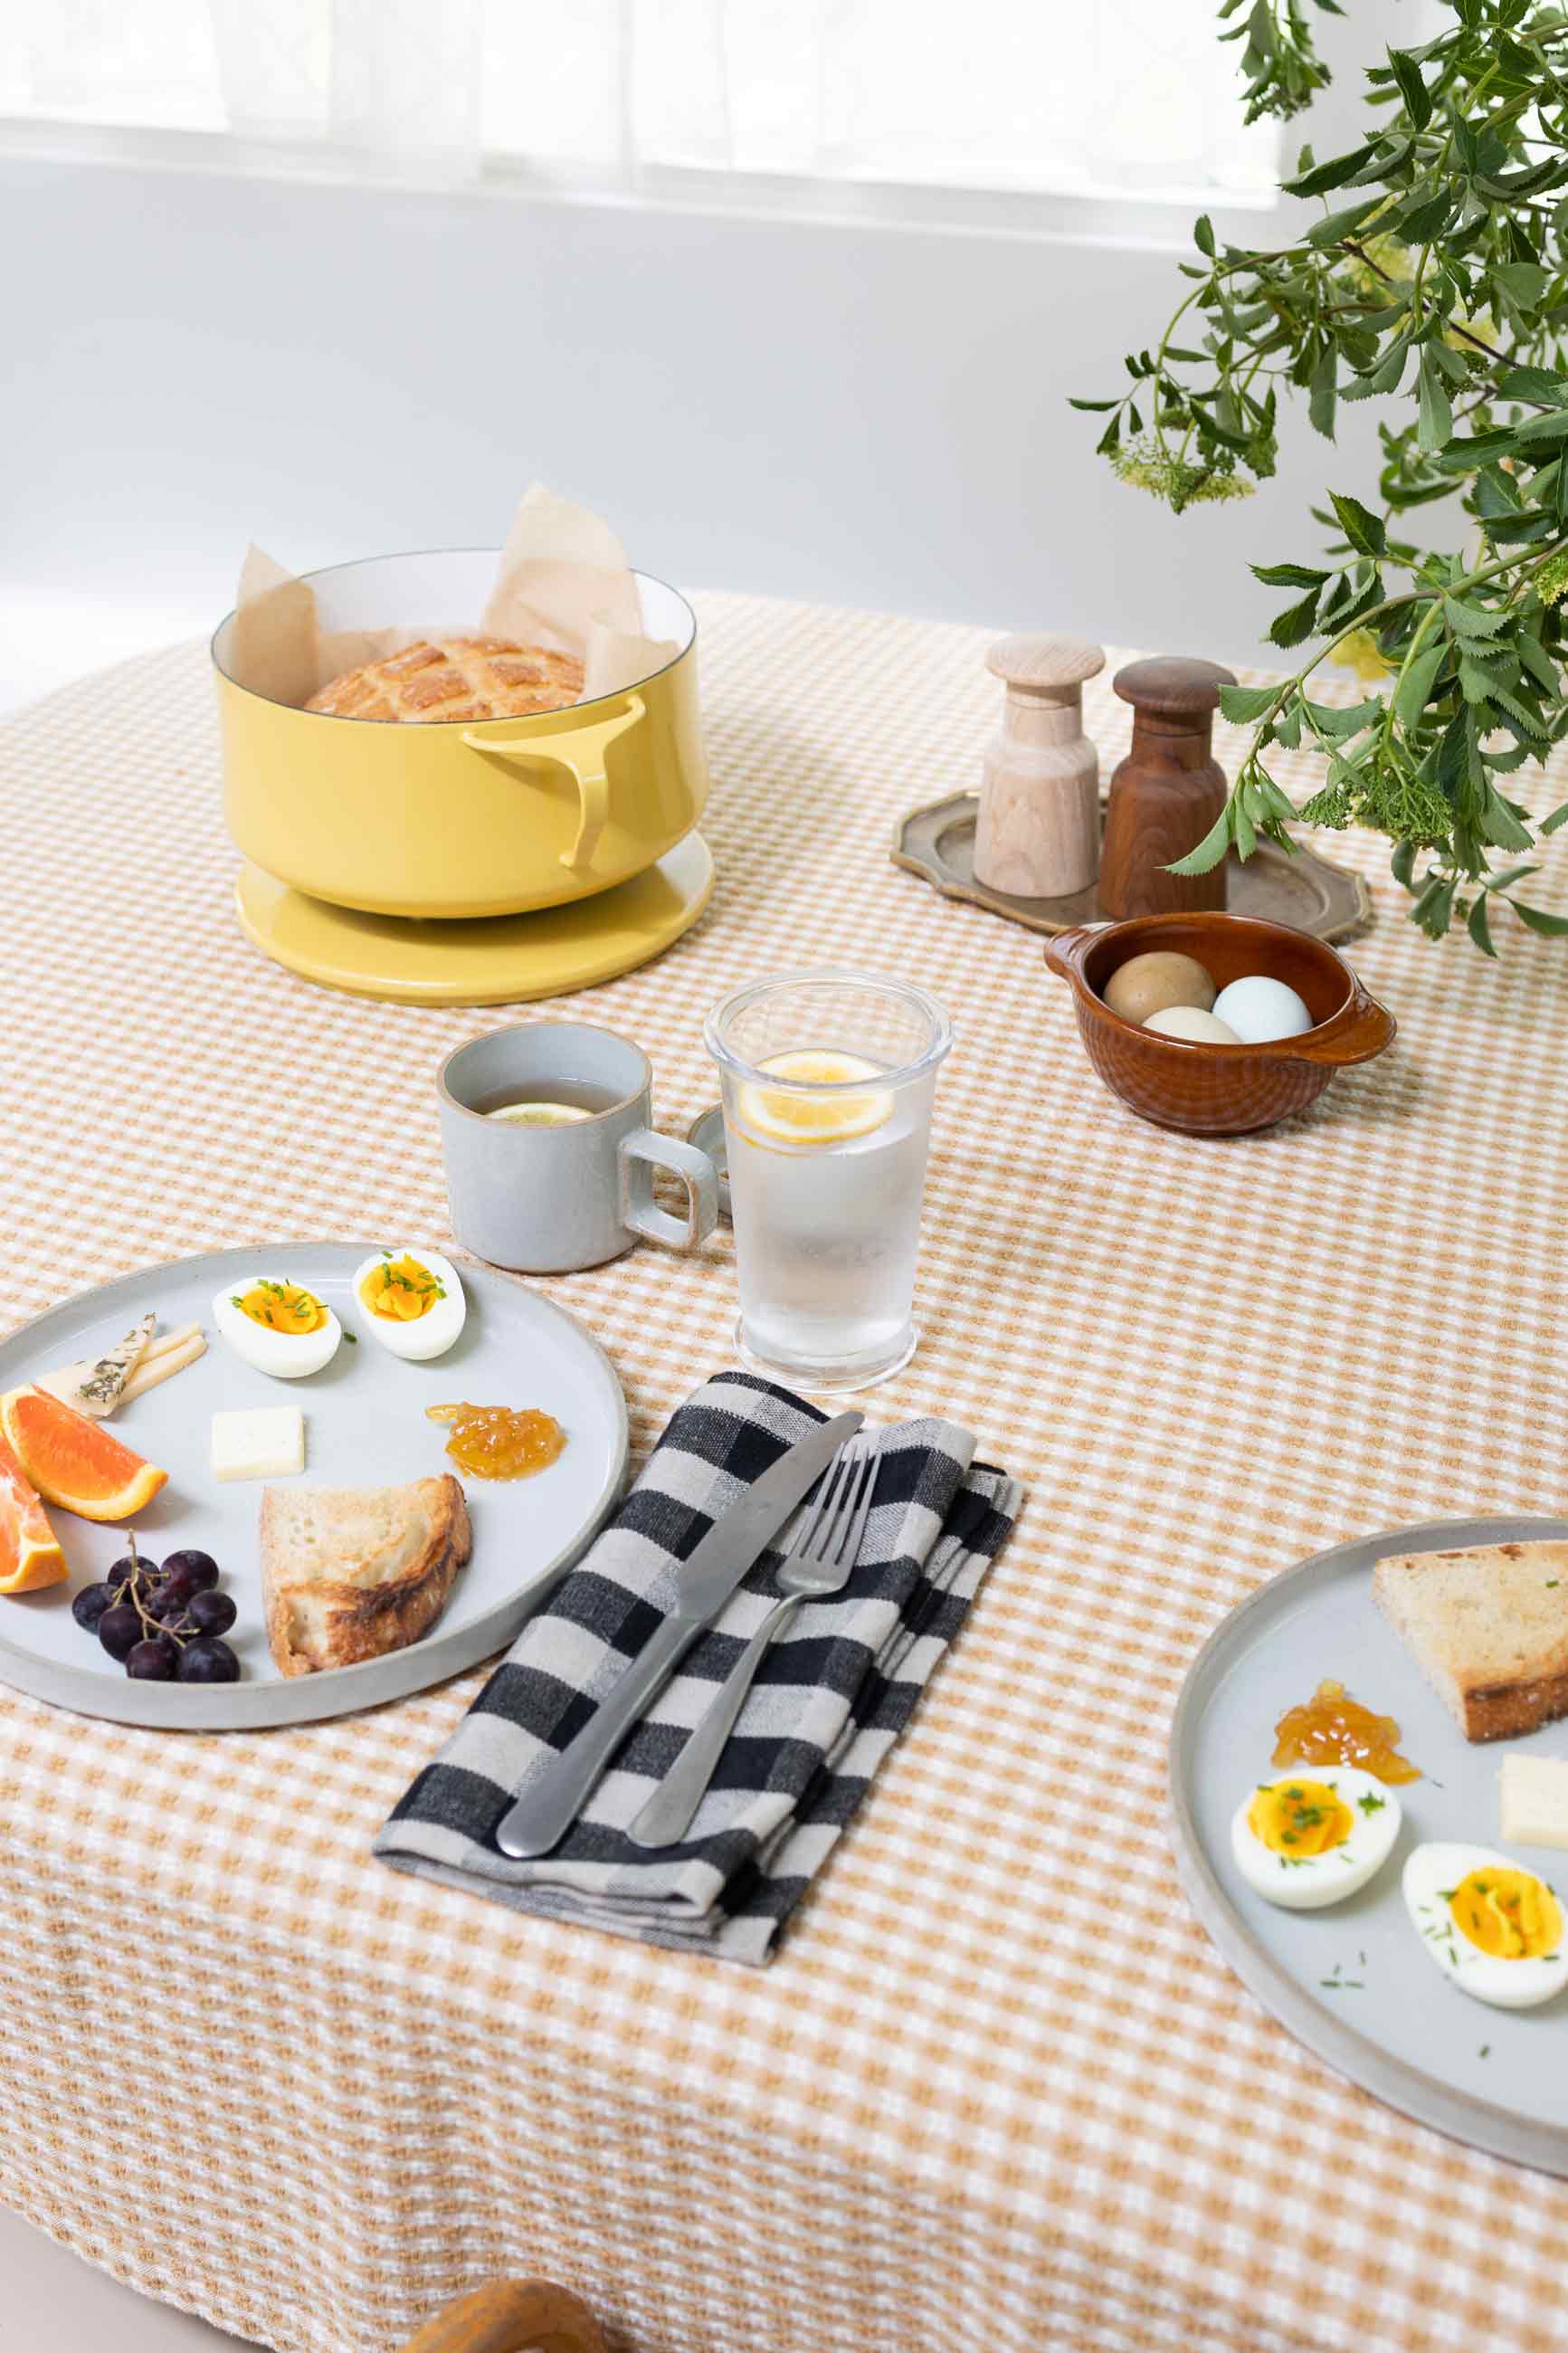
276,1326
1494,1929
413,1301
1311,1839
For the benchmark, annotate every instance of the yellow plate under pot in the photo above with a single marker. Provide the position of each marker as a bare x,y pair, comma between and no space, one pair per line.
499,960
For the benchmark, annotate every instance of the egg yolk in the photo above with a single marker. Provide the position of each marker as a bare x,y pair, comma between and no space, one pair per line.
401,1290
1300,1817
282,1307
1509,1913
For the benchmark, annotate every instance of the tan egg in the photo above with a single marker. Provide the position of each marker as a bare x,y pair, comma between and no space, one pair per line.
1148,984
1191,1022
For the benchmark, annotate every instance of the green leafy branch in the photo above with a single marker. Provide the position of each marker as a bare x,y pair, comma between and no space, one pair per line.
1280,65
1440,286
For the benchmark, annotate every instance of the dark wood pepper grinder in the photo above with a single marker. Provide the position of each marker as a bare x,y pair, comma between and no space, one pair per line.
1167,792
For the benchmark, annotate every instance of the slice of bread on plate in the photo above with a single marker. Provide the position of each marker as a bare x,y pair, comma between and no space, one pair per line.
1488,1627
351,1573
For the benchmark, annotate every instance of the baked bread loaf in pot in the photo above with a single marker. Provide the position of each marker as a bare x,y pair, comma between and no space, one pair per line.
454,678
400,800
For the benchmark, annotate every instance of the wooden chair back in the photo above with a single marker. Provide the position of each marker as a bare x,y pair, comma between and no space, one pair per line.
512,2316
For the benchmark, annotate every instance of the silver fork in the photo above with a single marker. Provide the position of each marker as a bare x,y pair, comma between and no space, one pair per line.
818,1563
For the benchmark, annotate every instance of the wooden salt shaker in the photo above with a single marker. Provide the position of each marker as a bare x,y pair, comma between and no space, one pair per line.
1038,835
1167,792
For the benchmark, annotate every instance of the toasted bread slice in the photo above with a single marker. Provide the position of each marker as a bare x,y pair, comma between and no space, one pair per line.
1490,1627
349,1573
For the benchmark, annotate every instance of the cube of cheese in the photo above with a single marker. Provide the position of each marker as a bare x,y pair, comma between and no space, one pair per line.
259,1442
1534,1793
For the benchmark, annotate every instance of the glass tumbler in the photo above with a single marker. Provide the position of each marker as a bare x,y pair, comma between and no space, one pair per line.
828,1078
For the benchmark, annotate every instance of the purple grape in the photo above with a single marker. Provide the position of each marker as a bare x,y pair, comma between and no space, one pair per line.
154,1661
120,1628
89,1605
165,1602
199,1567
207,1662
178,1584
122,1571
211,1613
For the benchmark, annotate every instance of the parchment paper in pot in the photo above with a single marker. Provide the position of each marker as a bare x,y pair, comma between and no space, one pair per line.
562,582
274,649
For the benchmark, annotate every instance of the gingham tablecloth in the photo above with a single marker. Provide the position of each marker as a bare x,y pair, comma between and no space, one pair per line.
997,2088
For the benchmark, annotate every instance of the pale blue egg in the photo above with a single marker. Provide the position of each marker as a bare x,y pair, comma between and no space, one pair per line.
1258,1008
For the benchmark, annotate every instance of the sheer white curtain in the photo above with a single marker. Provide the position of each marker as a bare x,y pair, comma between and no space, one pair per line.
1107,97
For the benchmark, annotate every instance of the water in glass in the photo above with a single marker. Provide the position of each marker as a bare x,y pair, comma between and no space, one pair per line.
826,1142
826,1235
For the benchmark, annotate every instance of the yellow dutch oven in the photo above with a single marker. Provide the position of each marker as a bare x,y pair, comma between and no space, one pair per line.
455,819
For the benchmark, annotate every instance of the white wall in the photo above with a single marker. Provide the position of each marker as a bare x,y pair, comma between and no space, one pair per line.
864,415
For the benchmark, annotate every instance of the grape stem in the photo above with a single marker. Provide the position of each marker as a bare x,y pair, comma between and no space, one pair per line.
151,1627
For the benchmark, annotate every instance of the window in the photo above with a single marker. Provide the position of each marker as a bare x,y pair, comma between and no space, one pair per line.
881,104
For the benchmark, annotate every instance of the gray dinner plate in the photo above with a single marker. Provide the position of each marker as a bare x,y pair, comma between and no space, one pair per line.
1496,2079
366,1426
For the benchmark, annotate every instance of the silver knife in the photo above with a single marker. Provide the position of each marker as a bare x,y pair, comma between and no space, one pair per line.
551,1801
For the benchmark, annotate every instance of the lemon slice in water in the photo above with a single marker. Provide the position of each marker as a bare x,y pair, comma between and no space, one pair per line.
815,1119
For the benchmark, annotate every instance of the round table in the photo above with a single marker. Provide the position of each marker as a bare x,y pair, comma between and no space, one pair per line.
997,2087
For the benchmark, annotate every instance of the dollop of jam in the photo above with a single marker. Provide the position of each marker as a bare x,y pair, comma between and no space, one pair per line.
1332,1728
499,1441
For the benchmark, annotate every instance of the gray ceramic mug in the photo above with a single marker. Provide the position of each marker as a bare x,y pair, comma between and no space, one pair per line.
550,1199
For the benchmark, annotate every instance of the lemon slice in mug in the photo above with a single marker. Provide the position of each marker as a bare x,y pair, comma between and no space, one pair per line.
540,1114
791,1118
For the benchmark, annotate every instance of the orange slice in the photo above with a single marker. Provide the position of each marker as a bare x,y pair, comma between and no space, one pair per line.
75,1462
29,1556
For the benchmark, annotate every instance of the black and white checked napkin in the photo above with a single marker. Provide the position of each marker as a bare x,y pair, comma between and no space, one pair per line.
833,1694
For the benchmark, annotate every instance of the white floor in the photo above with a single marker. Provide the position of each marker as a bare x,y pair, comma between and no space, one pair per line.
54,2299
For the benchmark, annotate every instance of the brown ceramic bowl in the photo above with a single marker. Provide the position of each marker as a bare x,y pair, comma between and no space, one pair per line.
1219,1089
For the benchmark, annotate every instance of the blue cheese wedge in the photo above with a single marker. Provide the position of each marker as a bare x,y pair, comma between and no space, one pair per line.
264,1441
95,1385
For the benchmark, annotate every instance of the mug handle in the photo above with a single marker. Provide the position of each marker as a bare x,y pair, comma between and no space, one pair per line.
581,750
642,1152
